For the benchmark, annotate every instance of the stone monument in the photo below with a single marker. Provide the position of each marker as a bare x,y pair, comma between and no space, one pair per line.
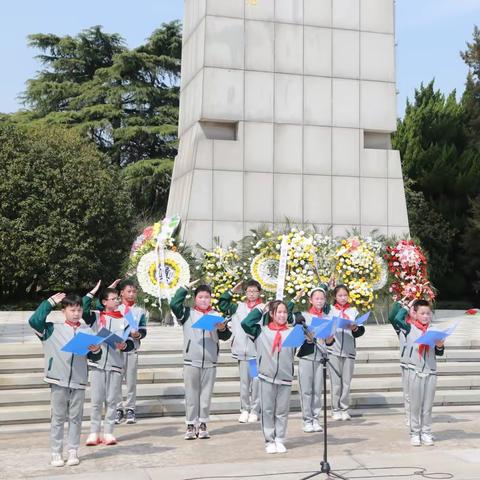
286,111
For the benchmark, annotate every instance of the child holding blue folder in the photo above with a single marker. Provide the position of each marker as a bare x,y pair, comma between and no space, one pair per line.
268,327
343,353
107,373
243,349
310,374
200,354
66,372
422,364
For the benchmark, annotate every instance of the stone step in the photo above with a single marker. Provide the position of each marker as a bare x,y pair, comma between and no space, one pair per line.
35,364
162,374
229,404
16,396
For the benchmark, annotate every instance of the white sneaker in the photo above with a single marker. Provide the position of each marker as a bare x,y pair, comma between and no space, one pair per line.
271,447
317,427
57,460
308,427
345,416
93,439
281,448
109,439
243,418
415,441
252,418
427,439
72,458
337,416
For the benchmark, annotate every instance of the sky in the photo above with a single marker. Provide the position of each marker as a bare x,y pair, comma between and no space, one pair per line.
429,35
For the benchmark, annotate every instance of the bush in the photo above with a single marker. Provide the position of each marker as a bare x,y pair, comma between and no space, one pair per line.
64,214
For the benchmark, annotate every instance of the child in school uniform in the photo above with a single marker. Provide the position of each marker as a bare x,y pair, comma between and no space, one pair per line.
342,353
66,373
200,354
243,348
310,373
275,370
107,373
422,365
402,340
128,296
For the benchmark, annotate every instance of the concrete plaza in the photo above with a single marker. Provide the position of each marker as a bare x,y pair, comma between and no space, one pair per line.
153,449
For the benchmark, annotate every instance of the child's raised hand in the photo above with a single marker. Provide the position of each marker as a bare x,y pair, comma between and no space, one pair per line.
115,283
221,326
237,288
332,282
299,295
135,334
94,290
192,284
58,297
121,346
440,343
94,348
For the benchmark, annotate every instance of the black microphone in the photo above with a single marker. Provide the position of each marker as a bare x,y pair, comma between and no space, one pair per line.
300,320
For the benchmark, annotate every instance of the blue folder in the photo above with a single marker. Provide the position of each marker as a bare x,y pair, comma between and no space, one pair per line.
131,320
253,368
362,319
318,322
208,322
79,344
327,329
111,338
344,323
295,338
431,336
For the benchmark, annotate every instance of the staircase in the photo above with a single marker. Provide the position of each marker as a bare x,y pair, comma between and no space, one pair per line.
24,397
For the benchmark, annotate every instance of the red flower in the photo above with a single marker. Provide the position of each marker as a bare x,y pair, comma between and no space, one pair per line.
472,311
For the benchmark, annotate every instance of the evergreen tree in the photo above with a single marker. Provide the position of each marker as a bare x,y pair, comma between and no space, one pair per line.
125,100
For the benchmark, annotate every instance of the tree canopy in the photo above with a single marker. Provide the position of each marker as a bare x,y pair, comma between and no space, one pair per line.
125,100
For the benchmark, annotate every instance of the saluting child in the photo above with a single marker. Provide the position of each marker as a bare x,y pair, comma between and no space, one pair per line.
200,354
66,373
243,348
128,296
107,373
343,353
402,340
310,373
275,370
422,364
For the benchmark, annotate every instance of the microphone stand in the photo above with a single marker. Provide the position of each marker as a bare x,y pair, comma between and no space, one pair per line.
324,464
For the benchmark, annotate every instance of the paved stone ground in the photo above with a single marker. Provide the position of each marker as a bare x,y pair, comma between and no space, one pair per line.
155,449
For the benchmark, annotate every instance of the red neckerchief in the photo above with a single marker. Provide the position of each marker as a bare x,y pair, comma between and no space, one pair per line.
342,309
104,315
423,328
128,304
72,324
317,313
203,310
277,341
251,304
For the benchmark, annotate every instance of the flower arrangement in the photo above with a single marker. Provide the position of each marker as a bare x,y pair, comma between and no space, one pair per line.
222,270
408,266
360,267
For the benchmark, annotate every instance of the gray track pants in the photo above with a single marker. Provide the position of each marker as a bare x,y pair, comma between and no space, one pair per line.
199,384
130,362
249,391
274,405
406,394
66,404
422,393
106,389
310,381
341,373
